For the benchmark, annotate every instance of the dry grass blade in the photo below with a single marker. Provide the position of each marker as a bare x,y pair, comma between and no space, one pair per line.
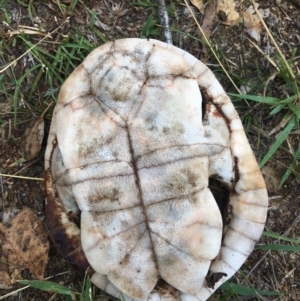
27,30
21,177
287,232
199,4
264,54
4,68
287,66
211,48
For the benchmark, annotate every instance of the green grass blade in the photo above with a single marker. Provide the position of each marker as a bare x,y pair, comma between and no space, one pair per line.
260,99
277,109
72,6
246,291
274,101
277,236
47,286
87,291
143,3
279,247
100,35
17,93
279,141
294,109
149,28
291,168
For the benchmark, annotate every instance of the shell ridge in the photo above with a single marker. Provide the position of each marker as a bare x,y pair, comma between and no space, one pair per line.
74,182
215,148
237,251
140,192
177,198
83,167
177,248
107,110
71,103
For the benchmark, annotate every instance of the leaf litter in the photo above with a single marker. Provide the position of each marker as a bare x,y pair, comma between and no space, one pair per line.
224,11
31,143
199,4
23,245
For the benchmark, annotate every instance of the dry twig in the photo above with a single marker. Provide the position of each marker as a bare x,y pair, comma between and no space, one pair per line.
164,21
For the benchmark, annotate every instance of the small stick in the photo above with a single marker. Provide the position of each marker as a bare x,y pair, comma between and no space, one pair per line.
2,191
164,21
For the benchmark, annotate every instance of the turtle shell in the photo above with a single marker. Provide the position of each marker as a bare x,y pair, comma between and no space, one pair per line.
140,131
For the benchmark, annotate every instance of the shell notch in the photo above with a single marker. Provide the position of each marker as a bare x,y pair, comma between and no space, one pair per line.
140,131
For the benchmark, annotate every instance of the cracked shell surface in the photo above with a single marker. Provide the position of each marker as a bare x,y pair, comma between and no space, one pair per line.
139,129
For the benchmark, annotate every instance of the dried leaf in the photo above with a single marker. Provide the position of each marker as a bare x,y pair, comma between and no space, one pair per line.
23,245
199,4
227,7
229,16
208,19
252,21
253,25
32,139
24,31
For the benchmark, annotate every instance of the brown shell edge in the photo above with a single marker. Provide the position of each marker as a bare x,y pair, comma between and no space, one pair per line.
69,246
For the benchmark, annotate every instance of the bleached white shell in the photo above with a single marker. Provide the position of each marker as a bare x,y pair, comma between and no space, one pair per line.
130,148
